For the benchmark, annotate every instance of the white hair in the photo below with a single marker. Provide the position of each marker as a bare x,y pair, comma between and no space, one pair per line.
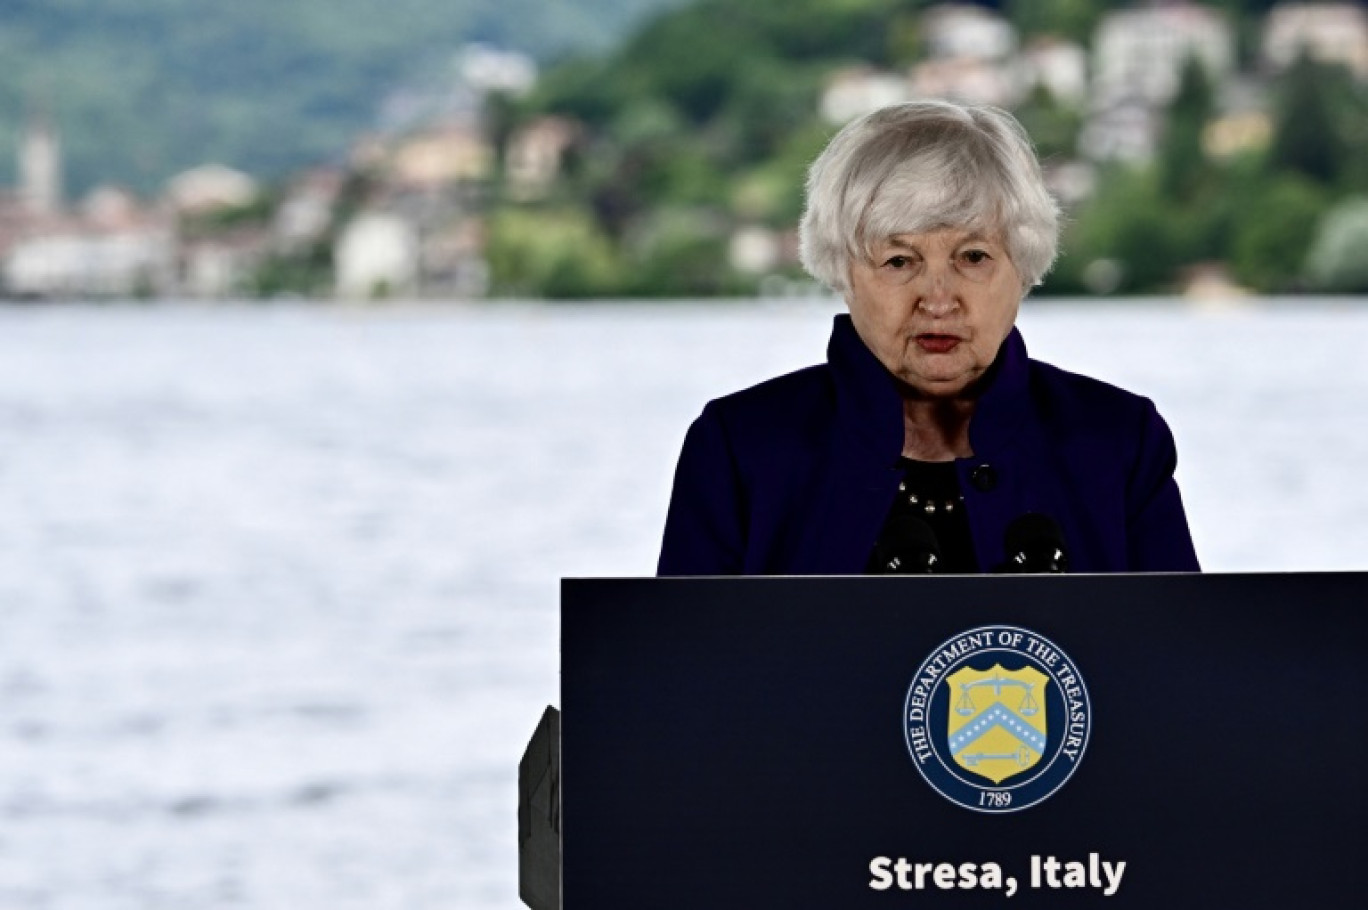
923,166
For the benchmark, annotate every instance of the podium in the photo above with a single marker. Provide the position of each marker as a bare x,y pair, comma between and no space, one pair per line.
906,742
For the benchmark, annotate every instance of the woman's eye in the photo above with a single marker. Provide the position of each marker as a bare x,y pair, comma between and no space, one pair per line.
898,262
975,257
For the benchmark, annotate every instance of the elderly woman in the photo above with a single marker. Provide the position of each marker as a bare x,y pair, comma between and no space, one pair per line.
928,439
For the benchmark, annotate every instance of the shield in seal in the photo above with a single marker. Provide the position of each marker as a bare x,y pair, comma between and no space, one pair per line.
998,725
997,718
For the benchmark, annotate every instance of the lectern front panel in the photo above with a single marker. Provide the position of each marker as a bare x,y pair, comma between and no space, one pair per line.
1121,741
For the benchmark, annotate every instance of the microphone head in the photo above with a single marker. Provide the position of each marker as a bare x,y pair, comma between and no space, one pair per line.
1035,543
908,546
1031,529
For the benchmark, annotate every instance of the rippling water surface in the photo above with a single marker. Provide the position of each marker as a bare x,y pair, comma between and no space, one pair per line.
278,586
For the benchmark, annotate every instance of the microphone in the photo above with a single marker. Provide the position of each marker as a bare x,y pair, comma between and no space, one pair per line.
1035,544
908,547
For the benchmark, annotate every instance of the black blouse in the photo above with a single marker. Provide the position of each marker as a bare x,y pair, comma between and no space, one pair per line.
930,492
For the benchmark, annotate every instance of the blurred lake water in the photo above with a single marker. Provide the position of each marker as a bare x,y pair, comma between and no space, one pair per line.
278,586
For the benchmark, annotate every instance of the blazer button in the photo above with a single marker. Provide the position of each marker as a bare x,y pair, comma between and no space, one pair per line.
984,478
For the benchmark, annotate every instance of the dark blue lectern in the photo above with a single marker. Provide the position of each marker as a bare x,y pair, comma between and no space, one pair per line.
1179,741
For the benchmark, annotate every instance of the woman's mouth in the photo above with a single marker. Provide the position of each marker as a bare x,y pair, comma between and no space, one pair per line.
937,344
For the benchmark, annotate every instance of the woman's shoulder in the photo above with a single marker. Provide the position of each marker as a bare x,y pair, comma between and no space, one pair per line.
1068,395
1096,422
788,414
796,396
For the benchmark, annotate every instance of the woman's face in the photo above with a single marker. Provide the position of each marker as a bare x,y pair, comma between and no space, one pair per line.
935,307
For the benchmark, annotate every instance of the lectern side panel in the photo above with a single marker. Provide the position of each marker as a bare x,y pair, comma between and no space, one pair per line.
745,743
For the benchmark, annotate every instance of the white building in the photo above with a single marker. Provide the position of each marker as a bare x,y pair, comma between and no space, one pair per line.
220,266
968,80
534,156
1327,32
486,68
971,57
856,91
1126,131
81,261
1138,60
209,187
40,169
376,255
1058,66
306,212
965,31
111,207
441,155
1140,53
755,250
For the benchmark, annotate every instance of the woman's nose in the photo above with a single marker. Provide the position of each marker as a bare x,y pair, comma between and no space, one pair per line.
936,295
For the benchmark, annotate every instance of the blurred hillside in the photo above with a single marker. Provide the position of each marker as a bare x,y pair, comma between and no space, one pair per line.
144,88
1196,146
1205,148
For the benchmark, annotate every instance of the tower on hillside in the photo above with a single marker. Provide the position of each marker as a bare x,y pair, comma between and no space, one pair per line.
40,167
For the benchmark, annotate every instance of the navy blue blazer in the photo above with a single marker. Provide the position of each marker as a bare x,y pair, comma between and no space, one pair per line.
796,475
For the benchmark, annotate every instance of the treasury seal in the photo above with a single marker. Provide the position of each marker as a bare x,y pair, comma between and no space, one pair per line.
997,718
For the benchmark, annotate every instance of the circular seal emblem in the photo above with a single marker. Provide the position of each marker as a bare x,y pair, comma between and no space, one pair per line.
997,718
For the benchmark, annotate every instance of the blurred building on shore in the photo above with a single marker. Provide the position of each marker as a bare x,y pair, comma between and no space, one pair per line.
111,244
107,246
1138,57
404,216
40,168
417,229
1325,32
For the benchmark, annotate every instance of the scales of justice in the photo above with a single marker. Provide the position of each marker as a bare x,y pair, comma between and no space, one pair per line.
1026,707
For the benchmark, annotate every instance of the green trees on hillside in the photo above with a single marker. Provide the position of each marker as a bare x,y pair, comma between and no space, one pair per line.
144,88
706,120
1264,212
